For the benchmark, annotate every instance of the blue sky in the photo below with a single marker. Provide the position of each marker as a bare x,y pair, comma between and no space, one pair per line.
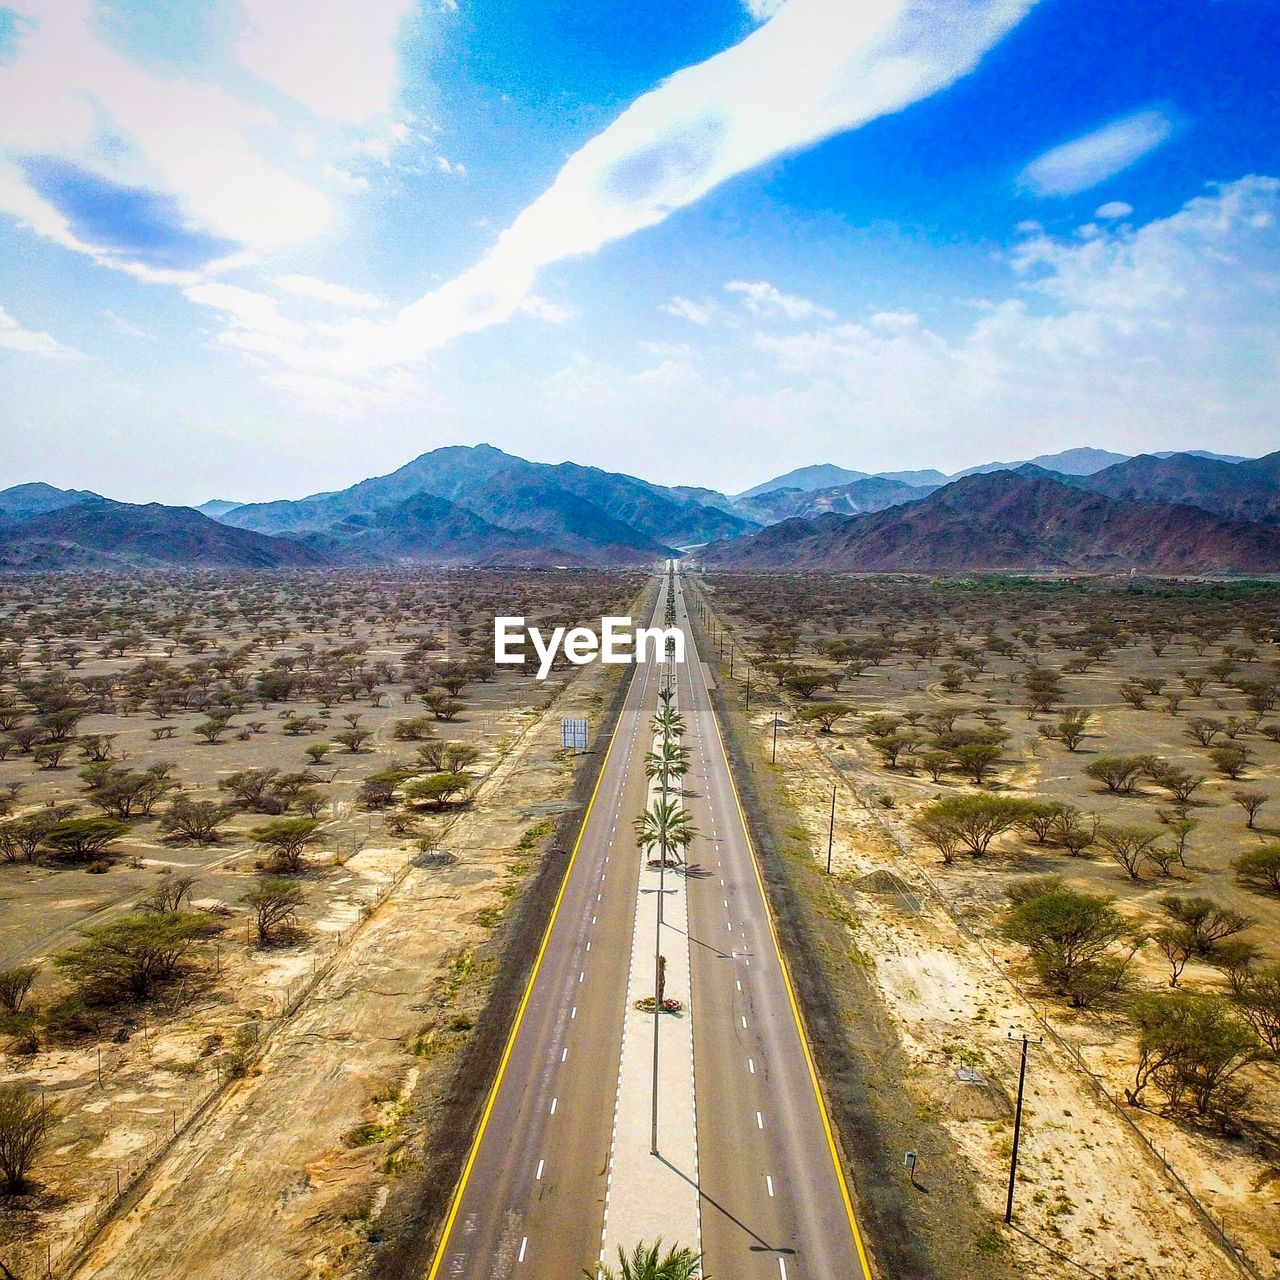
255,248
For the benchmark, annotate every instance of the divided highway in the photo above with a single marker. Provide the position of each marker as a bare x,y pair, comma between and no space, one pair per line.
772,1201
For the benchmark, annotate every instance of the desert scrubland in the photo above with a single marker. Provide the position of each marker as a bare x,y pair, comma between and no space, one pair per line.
256,830
1057,811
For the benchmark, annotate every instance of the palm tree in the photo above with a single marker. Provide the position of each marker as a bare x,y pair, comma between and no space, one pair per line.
666,824
669,723
669,761
647,1263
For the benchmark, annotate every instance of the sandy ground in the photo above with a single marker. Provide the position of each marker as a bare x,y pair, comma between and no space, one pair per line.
277,1177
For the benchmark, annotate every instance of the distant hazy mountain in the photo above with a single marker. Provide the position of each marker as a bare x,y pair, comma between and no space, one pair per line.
874,493
428,529
821,476
1071,462
216,508
1004,520
1083,508
1243,490
26,500
98,533
920,479
706,497
583,512
1202,453
824,476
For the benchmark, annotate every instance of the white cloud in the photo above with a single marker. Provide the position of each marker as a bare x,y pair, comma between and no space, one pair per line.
686,309
32,341
762,10
1155,337
544,309
241,160
1113,209
818,67
65,90
127,327
323,291
348,181
337,58
452,167
764,299
1085,162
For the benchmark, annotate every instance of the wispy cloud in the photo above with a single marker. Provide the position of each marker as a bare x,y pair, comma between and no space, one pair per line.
816,68
1163,333
762,10
127,327
1113,209
235,166
32,341
687,309
1083,163
765,299
337,58
323,291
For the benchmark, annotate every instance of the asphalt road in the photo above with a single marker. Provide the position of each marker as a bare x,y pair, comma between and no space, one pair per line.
531,1200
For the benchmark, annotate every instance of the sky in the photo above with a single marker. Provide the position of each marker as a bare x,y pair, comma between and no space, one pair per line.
253,249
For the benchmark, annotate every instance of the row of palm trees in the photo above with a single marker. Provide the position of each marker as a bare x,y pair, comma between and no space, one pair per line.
664,825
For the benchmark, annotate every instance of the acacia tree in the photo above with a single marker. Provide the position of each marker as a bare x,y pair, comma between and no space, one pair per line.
1209,922
439,789
274,902
82,839
20,838
825,714
1257,995
25,1121
1041,817
969,822
1070,729
1190,1046
15,986
287,840
1177,943
1260,868
1120,774
128,956
1129,846
1251,802
194,820
1074,831
1073,938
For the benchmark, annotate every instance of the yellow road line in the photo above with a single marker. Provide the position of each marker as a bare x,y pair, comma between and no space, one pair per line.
520,1012
795,1008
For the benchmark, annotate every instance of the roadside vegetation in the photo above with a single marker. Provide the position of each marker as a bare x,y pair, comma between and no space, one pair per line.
1089,769
207,781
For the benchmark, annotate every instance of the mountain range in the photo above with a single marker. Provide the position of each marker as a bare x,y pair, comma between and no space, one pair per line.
1082,509
1023,519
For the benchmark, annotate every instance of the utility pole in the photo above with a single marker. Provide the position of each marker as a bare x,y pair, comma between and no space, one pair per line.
748,688
1017,1122
831,830
773,757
